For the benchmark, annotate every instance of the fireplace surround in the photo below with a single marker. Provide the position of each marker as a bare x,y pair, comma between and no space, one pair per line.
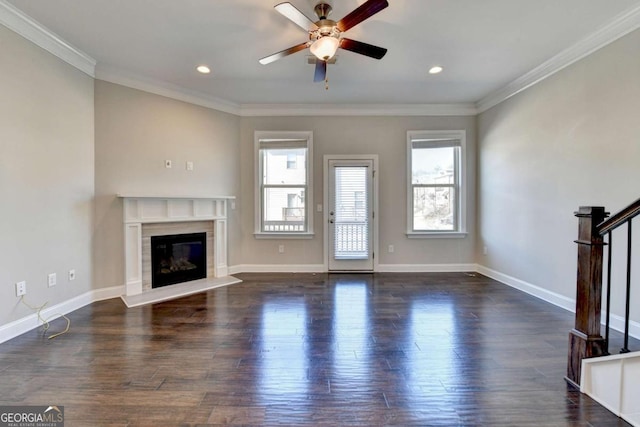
145,217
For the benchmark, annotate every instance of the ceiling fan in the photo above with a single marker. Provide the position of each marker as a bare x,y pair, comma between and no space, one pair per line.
325,35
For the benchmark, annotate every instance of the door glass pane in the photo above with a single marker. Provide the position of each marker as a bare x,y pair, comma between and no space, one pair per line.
434,208
351,221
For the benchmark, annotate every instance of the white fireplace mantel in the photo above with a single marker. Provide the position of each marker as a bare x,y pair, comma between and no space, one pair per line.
138,210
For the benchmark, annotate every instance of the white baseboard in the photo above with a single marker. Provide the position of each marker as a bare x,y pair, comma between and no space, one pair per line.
538,292
277,268
425,268
617,323
382,268
569,304
20,326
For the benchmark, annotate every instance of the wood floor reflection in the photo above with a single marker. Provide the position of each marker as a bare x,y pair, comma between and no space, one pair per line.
449,349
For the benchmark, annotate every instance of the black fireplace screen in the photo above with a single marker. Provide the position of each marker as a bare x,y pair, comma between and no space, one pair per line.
178,258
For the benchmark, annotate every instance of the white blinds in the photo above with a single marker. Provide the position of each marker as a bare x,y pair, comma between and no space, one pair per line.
282,143
434,143
351,234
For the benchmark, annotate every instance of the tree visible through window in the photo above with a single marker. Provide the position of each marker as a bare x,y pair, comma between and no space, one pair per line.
434,182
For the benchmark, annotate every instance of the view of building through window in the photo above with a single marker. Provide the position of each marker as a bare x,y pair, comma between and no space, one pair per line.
433,179
284,181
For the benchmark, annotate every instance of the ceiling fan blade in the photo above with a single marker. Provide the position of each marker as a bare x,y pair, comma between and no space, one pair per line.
364,11
363,48
321,71
293,49
299,18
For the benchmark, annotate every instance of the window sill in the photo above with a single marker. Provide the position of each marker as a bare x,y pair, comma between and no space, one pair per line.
437,235
283,235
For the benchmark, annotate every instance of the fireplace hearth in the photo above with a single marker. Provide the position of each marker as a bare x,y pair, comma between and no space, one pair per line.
178,258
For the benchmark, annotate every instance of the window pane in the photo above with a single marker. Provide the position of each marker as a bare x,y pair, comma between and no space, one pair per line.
276,166
283,209
351,222
434,208
433,165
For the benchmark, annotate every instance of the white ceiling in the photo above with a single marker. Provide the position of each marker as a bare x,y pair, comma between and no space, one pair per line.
482,44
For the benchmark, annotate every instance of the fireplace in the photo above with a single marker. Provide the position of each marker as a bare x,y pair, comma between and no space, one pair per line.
152,216
178,258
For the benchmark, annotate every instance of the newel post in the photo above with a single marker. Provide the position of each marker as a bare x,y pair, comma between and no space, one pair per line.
584,339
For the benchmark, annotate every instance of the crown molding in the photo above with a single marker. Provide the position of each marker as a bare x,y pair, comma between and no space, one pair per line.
618,27
124,78
262,110
19,22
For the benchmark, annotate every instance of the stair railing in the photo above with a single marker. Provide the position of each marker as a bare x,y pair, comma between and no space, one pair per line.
585,339
623,217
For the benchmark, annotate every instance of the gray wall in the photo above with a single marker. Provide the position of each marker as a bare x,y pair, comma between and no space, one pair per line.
384,136
135,133
571,140
46,176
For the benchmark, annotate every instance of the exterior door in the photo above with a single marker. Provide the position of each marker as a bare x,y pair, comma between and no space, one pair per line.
350,215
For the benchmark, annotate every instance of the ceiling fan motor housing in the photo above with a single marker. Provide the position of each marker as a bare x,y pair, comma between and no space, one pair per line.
323,10
326,28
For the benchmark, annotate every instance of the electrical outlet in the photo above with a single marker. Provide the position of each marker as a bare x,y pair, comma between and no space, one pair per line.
189,166
280,249
72,275
485,250
52,279
21,288
391,249
168,164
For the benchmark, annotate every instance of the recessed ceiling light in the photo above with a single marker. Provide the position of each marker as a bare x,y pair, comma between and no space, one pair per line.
435,70
203,69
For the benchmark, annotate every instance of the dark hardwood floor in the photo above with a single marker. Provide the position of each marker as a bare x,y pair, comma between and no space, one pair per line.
300,349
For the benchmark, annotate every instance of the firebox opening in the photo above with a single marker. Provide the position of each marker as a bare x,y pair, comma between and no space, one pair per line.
178,258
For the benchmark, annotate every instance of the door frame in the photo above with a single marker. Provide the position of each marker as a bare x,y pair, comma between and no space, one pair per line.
325,209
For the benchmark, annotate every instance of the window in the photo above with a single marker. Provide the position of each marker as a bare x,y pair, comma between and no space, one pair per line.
283,184
292,161
436,192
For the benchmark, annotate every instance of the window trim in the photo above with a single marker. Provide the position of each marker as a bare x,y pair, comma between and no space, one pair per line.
266,136
460,188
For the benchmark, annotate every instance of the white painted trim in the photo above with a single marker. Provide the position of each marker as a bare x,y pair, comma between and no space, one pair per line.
426,268
610,386
168,90
20,326
376,204
617,323
538,292
461,189
296,110
277,268
266,135
177,291
569,304
16,20
619,26
19,22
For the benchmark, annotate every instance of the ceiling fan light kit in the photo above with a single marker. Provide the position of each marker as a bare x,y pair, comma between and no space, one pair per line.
325,47
325,35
